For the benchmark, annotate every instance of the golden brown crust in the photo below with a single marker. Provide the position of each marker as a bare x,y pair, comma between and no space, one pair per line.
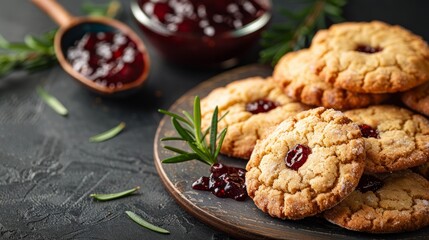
245,128
418,99
402,204
403,138
330,173
294,74
402,64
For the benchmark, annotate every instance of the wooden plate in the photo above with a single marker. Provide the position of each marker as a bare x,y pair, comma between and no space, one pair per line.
239,219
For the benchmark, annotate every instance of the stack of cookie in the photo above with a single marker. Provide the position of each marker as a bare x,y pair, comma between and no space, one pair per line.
353,65
352,166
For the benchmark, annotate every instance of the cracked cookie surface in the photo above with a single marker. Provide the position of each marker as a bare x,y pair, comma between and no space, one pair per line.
403,137
294,74
245,128
371,57
330,173
418,99
401,204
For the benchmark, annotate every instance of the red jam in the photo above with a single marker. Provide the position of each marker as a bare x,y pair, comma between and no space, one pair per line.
208,17
368,49
297,156
367,131
224,182
107,58
260,106
369,183
202,33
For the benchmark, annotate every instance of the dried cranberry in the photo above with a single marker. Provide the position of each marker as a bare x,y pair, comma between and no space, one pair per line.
368,49
367,131
369,183
224,182
297,156
260,106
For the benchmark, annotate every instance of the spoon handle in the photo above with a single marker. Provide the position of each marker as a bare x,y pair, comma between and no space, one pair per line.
61,16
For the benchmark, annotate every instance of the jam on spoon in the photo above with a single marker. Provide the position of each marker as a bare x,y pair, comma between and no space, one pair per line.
224,182
110,59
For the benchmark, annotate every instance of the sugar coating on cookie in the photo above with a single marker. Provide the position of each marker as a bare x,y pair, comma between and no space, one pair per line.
244,127
402,139
371,57
418,99
294,74
401,204
331,171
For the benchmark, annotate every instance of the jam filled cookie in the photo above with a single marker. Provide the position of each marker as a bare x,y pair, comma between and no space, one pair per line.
308,164
254,106
418,99
386,203
395,138
294,74
371,57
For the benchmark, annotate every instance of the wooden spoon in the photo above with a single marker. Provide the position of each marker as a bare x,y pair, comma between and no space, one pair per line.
73,28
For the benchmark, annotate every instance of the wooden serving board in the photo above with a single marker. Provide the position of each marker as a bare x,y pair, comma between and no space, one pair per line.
239,219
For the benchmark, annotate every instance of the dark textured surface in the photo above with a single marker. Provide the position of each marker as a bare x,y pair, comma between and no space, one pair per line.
48,167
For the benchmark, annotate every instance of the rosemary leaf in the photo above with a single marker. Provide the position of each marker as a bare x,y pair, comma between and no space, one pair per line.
52,101
213,131
176,150
145,224
108,134
183,157
112,196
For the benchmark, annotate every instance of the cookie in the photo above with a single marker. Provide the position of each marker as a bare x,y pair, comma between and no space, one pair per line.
371,57
308,164
254,106
395,138
293,73
418,99
398,202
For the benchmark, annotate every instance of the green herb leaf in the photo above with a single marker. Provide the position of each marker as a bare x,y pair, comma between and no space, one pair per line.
51,101
194,136
299,28
145,224
111,196
183,157
108,134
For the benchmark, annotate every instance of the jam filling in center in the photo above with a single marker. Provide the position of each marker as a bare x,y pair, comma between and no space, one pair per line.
260,106
297,156
367,49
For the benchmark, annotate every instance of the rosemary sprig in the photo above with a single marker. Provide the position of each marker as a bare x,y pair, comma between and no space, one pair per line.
299,28
189,129
136,218
37,52
112,196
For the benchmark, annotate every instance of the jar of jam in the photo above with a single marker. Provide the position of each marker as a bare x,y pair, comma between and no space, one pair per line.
202,33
